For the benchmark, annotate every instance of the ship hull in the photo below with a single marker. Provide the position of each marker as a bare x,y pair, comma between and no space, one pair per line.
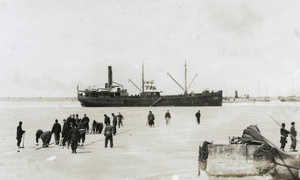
212,99
289,99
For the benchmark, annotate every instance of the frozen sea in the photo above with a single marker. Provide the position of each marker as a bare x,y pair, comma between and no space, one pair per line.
140,152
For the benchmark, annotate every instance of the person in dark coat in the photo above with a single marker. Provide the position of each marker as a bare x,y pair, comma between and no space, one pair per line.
108,133
45,136
82,131
65,133
293,134
120,120
87,121
69,119
151,119
38,134
198,115
115,121
56,129
74,136
95,127
100,127
168,117
106,119
20,133
284,134
77,120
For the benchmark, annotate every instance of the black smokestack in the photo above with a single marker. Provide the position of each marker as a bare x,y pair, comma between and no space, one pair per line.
109,77
236,94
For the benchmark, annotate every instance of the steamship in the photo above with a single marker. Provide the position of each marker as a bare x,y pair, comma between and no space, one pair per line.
114,95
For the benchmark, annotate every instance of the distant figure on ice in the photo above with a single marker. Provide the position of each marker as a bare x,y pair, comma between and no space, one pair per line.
87,120
120,120
106,119
198,115
108,133
115,121
168,117
293,134
56,129
151,119
45,136
74,136
284,133
20,133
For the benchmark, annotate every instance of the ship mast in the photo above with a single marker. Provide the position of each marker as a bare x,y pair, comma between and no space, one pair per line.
143,78
185,89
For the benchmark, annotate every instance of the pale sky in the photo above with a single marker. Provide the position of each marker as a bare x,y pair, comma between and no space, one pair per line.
48,47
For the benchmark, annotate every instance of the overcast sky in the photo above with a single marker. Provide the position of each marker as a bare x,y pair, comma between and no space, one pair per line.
48,47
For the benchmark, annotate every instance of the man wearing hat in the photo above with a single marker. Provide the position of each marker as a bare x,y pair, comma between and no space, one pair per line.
293,134
20,133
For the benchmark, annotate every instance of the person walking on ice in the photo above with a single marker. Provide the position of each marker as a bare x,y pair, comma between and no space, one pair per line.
151,119
115,121
73,137
108,133
120,120
20,133
168,117
198,115
56,129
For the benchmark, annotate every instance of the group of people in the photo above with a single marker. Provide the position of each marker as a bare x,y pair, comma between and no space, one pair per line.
109,130
74,131
284,134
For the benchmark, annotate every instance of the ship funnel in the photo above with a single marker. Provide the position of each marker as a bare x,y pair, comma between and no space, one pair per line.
109,77
236,94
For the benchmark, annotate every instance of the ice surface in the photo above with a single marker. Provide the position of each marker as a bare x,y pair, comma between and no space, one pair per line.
140,152
52,158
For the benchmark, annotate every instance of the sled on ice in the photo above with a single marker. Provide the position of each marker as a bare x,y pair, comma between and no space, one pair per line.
249,155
